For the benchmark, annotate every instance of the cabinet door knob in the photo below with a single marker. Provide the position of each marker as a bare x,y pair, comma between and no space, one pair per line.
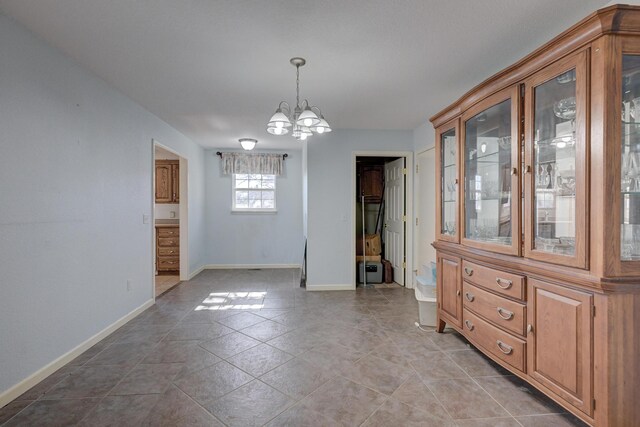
514,171
527,169
468,271
529,328
506,349
469,297
458,293
469,325
505,314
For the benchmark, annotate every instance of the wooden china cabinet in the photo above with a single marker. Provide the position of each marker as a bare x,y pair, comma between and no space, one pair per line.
538,217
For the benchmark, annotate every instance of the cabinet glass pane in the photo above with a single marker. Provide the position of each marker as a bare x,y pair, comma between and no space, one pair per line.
487,155
554,165
630,162
449,183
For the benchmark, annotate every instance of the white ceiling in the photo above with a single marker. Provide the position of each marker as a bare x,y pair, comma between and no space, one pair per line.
216,69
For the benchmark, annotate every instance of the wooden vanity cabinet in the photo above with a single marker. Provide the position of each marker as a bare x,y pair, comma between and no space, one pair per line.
538,246
167,181
168,248
371,183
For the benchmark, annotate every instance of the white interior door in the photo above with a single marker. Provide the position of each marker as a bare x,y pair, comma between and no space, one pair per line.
394,218
426,215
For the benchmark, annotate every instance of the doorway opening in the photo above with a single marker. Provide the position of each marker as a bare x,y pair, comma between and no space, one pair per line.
170,264
382,238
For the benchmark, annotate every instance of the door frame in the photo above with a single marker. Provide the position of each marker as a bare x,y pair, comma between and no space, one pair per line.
183,221
408,200
417,214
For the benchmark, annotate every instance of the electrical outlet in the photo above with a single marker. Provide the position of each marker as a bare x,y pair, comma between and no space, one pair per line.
172,214
128,285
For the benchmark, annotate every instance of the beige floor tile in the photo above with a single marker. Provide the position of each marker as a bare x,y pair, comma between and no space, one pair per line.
344,401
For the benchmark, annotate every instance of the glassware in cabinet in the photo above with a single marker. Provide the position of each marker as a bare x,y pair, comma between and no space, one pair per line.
630,160
448,175
555,163
488,166
449,180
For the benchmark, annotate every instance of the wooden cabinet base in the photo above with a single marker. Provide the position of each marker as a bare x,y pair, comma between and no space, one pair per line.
168,249
575,343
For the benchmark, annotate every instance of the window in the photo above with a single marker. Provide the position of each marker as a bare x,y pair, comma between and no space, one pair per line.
254,192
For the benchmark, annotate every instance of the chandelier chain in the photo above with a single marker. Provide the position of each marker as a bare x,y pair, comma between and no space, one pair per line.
297,86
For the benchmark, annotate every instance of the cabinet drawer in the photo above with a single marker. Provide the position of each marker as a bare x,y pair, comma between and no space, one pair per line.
499,343
505,313
504,283
168,251
168,231
168,263
168,241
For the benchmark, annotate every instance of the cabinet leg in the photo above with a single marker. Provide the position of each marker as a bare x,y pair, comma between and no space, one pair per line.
440,326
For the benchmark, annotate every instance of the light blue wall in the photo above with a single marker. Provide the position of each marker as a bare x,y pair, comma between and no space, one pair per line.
423,137
330,198
75,181
254,238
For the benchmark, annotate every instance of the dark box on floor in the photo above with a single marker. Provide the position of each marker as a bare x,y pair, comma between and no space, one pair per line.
374,272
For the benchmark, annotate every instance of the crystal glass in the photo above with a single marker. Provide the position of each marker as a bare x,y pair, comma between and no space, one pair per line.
554,166
487,156
449,152
630,160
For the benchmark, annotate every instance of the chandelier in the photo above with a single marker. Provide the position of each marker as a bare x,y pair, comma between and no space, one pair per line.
304,120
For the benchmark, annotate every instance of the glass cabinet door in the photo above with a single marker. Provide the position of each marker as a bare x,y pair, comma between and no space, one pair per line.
491,193
630,160
448,176
554,166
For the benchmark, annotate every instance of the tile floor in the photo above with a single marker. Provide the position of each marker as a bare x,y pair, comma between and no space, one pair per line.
165,282
250,348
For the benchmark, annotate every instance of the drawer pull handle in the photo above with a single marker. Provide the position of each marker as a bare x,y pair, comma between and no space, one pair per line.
499,281
505,314
469,297
469,325
529,328
506,349
468,271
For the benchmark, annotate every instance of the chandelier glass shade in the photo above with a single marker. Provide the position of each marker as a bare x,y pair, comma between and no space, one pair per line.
304,120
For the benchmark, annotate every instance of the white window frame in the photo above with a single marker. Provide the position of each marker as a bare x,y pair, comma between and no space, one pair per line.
234,189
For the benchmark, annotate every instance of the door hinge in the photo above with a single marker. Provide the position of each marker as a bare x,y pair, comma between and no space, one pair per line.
416,168
594,404
404,218
404,171
404,264
416,220
593,310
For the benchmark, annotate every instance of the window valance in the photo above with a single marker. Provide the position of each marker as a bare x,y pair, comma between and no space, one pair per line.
266,164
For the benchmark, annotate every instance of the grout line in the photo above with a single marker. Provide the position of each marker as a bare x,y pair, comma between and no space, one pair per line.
482,388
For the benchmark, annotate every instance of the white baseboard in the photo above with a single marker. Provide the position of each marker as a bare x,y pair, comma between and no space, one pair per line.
247,266
33,379
337,287
196,272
